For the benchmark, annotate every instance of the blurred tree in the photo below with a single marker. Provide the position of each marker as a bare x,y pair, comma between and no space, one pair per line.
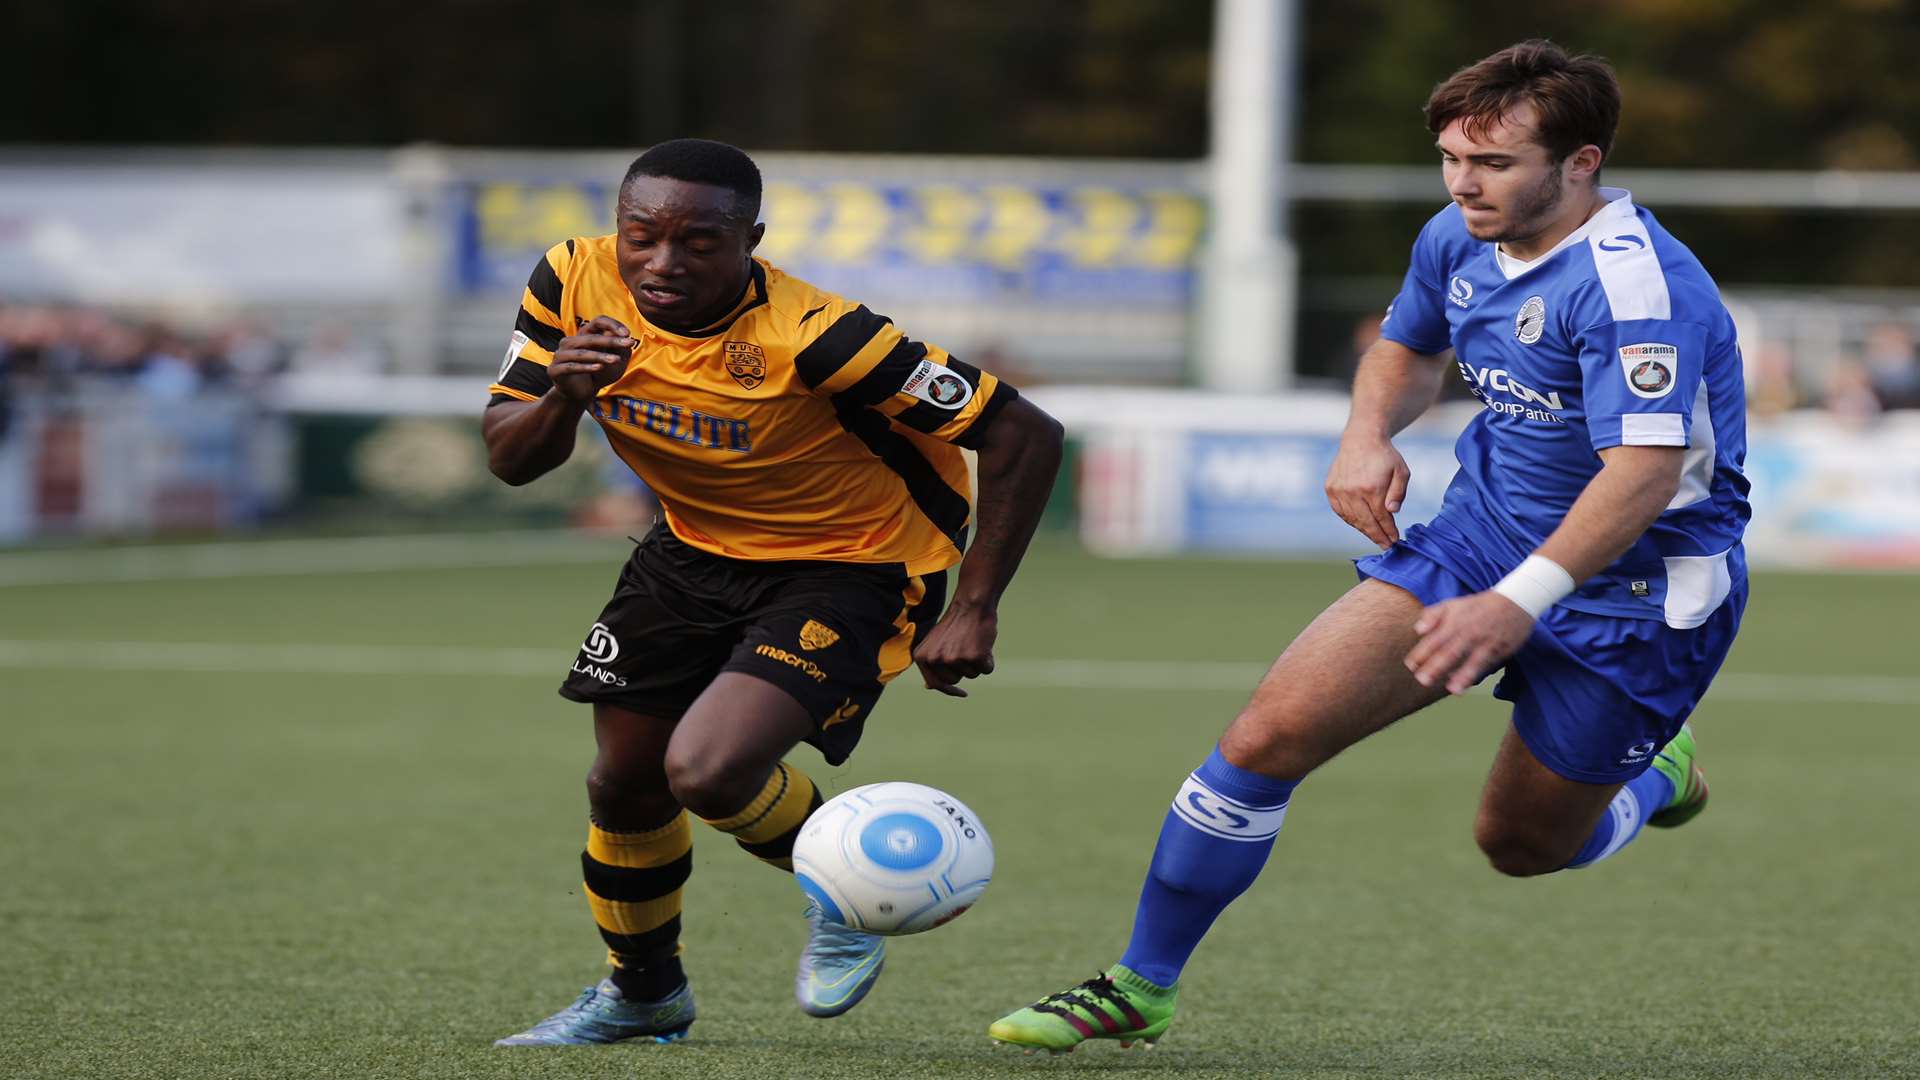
1110,77
1718,83
1709,83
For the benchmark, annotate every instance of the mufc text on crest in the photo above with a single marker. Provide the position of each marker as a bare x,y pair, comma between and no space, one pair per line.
746,363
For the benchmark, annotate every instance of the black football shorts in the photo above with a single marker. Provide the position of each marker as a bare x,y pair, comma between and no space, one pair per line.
832,634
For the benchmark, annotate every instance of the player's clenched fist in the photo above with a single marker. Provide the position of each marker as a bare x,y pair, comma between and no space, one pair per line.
591,358
960,646
1365,487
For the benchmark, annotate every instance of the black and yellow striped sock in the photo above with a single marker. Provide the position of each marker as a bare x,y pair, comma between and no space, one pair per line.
633,886
766,827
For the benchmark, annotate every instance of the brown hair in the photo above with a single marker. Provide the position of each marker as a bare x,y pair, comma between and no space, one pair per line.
1576,98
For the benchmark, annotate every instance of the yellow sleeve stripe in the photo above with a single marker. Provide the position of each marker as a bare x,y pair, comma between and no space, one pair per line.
863,361
531,305
545,282
831,344
497,388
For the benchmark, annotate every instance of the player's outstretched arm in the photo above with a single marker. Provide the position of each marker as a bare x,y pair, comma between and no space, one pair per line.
1018,461
1368,480
528,439
1462,639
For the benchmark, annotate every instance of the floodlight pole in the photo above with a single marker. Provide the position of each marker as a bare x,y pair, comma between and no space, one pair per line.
1249,268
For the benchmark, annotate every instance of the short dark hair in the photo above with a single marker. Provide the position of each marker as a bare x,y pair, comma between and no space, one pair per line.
1577,98
703,161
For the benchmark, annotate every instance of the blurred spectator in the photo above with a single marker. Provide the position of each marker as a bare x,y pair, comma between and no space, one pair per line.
248,352
1770,387
1890,365
167,369
59,350
1850,397
6,394
26,336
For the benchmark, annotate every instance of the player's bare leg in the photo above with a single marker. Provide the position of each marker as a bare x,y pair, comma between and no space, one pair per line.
724,764
730,741
638,857
1532,820
1342,679
627,783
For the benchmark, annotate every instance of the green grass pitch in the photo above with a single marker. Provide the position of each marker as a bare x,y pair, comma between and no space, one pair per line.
327,823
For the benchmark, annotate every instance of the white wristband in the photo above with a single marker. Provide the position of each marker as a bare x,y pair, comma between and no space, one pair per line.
1536,584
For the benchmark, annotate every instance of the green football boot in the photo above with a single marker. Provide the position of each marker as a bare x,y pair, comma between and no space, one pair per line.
1675,761
1118,1005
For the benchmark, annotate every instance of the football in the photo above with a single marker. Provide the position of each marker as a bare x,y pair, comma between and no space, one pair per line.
893,858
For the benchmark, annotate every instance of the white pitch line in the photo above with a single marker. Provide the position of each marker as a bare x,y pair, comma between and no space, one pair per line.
550,663
305,557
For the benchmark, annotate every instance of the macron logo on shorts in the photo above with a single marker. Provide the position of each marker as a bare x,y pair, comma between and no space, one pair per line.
1216,815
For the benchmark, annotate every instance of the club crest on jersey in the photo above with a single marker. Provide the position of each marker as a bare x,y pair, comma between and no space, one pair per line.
1650,367
937,385
746,363
1531,321
816,635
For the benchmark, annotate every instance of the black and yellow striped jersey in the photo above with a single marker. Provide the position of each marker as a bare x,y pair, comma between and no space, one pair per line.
800,426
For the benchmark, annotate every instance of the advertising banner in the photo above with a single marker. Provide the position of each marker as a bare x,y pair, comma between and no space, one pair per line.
1266,493
954,241
1173,471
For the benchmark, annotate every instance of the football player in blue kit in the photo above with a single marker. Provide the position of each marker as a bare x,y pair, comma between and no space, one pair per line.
1588,546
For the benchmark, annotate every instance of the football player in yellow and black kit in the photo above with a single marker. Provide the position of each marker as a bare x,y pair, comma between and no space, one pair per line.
807,457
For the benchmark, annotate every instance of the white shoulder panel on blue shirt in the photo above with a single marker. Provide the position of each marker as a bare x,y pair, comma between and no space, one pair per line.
1629,270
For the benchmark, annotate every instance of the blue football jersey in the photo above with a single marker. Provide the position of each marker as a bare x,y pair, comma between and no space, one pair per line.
1616,337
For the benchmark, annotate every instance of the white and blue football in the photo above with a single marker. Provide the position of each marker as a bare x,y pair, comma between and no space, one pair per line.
893,858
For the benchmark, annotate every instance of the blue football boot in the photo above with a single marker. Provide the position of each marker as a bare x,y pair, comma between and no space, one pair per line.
837,967
604,1015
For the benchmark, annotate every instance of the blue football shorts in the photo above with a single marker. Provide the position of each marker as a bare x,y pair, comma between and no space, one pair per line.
1594,696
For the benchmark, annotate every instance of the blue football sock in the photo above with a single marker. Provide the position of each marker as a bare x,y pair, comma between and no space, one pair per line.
1643,795
1212,845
